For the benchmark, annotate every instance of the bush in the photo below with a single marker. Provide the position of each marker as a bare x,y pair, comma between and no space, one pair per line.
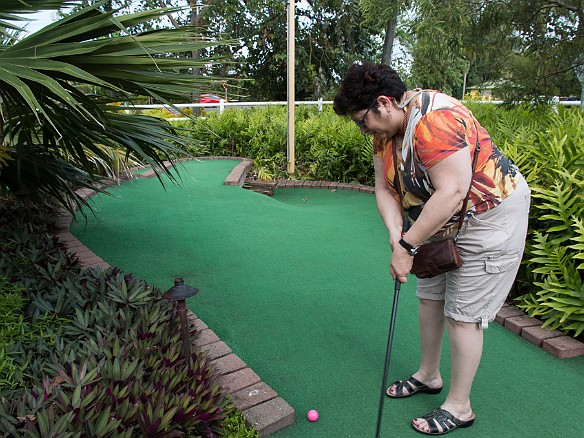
327,147
549,149
93,353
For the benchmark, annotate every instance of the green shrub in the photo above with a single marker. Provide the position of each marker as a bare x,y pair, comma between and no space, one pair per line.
327,147
235,426
92,353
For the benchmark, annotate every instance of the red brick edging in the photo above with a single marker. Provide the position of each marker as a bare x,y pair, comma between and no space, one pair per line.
259,404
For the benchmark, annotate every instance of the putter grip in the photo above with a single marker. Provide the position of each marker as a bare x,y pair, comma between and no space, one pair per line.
405,228
405,225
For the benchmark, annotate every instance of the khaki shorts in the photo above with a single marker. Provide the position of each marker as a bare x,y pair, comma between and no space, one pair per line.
491,246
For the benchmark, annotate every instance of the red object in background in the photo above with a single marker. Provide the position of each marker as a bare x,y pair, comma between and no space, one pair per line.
209,98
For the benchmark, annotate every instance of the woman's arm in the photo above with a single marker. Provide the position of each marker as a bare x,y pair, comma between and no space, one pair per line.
389,209
392,214
451,179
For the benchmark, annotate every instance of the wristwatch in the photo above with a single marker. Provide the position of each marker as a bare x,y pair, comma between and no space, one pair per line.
412,250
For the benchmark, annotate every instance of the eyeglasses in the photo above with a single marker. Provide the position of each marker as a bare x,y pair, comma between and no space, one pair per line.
361,123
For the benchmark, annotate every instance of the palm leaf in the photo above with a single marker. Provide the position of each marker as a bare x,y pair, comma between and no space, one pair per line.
44,113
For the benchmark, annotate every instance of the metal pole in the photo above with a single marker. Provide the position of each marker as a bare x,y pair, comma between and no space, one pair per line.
291,78
182,313
397,287
387,356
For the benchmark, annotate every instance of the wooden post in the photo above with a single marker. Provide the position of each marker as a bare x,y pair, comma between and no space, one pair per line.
291,78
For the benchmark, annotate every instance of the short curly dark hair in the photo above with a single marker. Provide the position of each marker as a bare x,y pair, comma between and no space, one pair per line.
363,83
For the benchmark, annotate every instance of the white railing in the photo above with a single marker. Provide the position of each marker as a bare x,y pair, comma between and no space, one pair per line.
226,104
554,102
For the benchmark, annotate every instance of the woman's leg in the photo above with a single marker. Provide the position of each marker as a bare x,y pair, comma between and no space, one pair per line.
432,325
466,347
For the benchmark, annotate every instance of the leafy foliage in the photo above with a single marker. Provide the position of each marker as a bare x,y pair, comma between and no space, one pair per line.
99,353
330,36
327,147
55,134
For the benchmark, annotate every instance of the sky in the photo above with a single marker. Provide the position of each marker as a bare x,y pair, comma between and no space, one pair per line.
38,20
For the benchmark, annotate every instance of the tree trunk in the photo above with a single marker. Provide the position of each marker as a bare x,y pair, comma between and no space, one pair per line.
389,39
465,78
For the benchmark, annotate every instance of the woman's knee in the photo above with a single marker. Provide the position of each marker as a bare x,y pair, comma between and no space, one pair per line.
435,305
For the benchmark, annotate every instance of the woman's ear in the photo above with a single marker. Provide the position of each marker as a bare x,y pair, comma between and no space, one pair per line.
386,101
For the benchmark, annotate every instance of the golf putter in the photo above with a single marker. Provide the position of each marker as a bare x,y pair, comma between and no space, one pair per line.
397,288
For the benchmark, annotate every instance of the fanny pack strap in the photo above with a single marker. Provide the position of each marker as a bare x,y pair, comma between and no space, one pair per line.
462,212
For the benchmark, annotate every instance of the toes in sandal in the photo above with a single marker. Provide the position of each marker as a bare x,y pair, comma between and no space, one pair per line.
441,421
413,386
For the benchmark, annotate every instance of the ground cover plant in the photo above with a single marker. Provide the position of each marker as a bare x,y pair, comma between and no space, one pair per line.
94,353
547,145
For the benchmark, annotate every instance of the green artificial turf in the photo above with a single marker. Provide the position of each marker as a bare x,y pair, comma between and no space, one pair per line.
298,286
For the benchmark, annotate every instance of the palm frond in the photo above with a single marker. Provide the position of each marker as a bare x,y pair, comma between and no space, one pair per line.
45,113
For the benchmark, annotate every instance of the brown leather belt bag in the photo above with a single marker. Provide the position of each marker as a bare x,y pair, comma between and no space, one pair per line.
436,258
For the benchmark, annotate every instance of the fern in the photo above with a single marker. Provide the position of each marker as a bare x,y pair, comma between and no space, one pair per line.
557,247
560,298
579,239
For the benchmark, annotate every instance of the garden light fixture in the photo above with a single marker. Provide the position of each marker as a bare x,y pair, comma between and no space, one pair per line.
179,293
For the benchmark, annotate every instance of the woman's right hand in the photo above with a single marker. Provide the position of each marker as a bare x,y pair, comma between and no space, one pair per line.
400,264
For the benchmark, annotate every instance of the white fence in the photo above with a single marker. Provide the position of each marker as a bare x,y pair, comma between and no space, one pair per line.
226,104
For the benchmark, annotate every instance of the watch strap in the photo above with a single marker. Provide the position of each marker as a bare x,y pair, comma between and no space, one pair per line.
409,248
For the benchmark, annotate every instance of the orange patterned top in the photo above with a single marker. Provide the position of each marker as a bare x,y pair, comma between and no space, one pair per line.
438,126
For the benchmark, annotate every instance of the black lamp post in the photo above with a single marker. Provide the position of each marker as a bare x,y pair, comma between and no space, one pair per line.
179,293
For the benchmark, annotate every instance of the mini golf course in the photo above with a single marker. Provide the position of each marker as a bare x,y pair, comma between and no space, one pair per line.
298,286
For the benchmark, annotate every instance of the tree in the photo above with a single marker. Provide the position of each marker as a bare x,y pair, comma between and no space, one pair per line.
50,129
447,40
330,36
533,48
383,15
549,60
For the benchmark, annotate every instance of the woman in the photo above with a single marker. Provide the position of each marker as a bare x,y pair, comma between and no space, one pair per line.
433,137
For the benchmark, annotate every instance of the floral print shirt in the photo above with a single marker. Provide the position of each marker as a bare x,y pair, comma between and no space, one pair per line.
438,126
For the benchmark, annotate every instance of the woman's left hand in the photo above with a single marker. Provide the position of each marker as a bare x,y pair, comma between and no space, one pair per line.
401,264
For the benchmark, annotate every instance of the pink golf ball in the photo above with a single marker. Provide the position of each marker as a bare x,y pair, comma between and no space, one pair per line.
312,415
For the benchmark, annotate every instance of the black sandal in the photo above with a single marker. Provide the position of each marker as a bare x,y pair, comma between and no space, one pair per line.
413,386
444,419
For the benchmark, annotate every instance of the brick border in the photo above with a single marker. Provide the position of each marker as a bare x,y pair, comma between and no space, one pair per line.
259,403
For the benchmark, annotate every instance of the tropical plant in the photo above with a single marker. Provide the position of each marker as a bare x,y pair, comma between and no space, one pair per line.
52,133
93,353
